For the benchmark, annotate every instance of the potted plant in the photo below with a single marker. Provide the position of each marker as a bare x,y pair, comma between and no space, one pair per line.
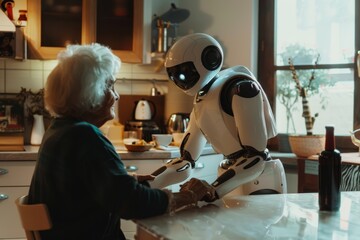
309,144
296,85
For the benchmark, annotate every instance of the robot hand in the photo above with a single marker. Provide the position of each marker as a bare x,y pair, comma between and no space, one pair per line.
174,171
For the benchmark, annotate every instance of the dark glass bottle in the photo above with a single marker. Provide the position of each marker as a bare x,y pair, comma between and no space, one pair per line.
329,174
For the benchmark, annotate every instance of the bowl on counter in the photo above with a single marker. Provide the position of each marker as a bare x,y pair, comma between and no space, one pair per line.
162,139
138,148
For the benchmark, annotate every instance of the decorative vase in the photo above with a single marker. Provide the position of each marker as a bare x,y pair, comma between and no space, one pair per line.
38,130
307,145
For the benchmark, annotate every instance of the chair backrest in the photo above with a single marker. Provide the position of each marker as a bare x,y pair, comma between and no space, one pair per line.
34,217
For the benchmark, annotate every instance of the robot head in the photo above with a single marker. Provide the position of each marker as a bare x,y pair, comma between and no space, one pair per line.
193,61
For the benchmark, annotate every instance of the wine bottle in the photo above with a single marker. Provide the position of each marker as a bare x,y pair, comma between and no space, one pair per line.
329,174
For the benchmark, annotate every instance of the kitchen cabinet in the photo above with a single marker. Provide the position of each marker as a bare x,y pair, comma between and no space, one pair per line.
15,177
123,25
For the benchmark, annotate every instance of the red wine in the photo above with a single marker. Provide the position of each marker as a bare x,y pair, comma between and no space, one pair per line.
329,174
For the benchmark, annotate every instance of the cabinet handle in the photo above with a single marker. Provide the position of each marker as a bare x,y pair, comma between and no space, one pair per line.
358,62
131,168
3,196
3,171
199,165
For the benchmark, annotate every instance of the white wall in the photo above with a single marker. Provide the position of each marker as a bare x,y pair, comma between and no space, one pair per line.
232,22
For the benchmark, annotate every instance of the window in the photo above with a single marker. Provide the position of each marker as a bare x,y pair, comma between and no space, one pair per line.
314,35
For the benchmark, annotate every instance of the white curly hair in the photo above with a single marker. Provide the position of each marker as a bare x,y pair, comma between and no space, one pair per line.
78,83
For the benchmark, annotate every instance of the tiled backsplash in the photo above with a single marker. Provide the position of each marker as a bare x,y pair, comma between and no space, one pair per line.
133,79
32,74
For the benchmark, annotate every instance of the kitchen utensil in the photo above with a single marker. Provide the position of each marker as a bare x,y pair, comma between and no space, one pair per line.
154,91
178,122
162,27
144,110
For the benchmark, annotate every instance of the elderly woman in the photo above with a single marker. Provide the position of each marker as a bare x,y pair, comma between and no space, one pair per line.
79,175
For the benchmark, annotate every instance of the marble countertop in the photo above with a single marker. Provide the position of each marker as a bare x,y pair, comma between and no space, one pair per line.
30,153
280,216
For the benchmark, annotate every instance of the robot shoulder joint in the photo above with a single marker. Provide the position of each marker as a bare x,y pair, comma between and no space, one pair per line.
241,86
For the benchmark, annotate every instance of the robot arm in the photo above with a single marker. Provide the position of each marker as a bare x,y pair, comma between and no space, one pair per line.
247,105
193,141
244,95
179,169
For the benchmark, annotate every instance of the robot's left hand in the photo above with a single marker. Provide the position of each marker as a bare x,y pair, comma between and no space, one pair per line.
174,171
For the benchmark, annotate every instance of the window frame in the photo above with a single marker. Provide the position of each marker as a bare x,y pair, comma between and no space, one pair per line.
267,67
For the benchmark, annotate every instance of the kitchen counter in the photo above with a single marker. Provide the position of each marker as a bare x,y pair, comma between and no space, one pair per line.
280,216
30,153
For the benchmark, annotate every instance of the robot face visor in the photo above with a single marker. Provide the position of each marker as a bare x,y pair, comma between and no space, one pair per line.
184,75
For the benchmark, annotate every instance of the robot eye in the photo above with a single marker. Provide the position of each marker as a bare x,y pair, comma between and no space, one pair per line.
184,75
211,57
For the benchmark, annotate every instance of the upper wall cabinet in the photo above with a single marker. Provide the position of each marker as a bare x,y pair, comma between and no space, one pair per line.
123,25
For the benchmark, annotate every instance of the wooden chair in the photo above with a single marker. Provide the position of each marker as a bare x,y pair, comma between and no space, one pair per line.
34,217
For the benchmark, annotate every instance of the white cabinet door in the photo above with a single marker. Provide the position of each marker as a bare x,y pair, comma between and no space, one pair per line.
16,173
10,225
15,178
129,229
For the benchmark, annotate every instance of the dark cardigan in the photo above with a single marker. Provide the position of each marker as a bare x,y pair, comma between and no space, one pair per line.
82,180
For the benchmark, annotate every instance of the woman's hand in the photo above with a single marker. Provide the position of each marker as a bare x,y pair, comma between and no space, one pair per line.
202,189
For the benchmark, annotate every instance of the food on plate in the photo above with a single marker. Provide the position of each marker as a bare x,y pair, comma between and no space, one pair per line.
141,142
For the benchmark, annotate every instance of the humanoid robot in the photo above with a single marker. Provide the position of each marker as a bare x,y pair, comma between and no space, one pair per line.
231,112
